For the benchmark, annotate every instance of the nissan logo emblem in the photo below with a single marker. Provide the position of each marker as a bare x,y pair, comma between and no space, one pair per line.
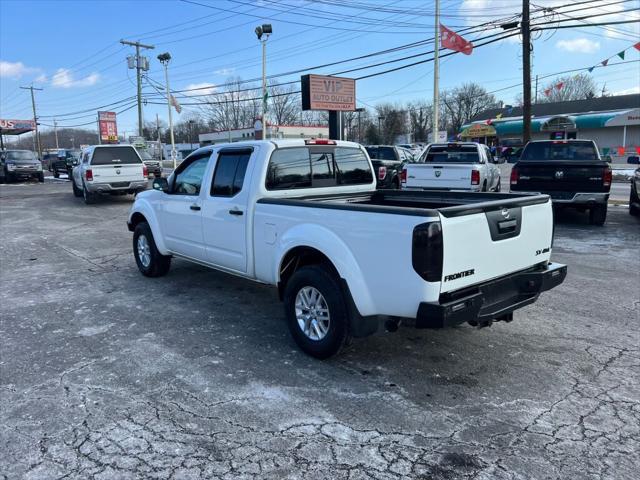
505,212
117,172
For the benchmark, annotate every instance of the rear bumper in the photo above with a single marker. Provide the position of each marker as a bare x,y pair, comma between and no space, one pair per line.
489,301
474,188
137,186
575,198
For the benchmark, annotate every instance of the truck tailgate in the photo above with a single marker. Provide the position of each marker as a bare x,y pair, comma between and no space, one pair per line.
437,176
492,239
128,172
571,176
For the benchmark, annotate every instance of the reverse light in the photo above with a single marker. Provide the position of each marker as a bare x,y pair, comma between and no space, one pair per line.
607,177
475,177
514,176
382,173
319,141
403,176
88,175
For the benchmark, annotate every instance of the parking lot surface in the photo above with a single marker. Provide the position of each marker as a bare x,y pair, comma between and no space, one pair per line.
108,374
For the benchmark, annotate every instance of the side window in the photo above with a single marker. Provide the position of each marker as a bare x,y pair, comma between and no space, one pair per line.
229,175
85,158
189,179
353,167
289,168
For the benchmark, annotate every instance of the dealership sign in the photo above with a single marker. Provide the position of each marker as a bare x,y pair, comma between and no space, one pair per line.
16,127
320,92
108,127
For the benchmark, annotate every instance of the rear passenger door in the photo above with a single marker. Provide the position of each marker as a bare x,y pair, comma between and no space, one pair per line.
224,210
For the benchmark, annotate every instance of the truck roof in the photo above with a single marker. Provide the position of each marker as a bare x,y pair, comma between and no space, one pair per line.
282,143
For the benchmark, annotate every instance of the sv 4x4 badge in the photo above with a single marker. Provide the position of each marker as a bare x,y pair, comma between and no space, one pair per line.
455,276
544,250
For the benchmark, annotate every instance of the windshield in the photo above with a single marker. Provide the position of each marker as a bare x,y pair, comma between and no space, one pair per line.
451,154
20,155
559,151
112,155
381,153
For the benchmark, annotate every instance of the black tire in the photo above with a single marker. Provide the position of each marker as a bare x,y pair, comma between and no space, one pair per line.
56,174
89,198
484,186
159,264
634,201
498,186
325,282
41,177
598,215
76,191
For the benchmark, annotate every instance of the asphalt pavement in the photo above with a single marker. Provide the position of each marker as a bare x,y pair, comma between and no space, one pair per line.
108,374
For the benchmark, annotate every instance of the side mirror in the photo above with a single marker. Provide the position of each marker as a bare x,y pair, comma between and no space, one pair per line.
74,162
161,184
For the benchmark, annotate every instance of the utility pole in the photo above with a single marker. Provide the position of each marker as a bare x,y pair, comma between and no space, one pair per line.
35,118
536,95
436,74
165,58
141,63
526,72
55,131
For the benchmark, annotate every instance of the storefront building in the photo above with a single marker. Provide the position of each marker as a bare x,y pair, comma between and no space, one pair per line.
612,122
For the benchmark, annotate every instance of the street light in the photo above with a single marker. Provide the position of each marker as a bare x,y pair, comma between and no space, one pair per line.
264,30
165,58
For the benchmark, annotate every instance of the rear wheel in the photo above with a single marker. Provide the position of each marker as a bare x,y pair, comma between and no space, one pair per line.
56,174
41,177
598,215
498,186
89,197
316,312
484,186
150,261
634,202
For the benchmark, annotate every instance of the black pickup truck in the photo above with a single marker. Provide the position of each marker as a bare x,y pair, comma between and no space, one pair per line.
571,172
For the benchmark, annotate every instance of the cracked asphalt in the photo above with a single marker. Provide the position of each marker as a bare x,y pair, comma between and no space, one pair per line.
107,374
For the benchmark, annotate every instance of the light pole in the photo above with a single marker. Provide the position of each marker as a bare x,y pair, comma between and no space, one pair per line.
190,123
264,30
165,58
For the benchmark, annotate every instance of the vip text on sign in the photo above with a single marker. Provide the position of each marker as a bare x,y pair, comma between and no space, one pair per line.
320,92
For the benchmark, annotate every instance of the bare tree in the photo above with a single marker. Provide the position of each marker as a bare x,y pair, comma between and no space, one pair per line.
573,87
463,103
285,105
391,122
420,114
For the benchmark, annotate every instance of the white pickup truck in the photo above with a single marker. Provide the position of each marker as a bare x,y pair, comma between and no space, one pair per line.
113,169
305,216
465,166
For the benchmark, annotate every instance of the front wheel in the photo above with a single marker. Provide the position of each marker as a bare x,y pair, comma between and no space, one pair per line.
150,261
598,215
316,312
76,191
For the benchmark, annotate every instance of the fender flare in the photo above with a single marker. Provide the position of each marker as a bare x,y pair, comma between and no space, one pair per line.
331,246
142,207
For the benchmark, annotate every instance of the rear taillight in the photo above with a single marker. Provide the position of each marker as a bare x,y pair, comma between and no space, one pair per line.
427,251
145,171
403,175
88,175
607,177
382,173
475,177
514,176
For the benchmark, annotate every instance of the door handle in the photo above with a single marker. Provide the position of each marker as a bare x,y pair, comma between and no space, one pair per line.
235,212
195,207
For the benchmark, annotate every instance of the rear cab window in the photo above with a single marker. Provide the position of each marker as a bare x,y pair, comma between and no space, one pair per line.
559,150
451,153
316,167
381,153
115,155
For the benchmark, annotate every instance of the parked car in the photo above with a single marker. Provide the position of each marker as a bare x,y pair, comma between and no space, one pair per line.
634,196
305,216
153,166
454,166
570,171
415,149
63,162
633,160
112,169
16,164
388,161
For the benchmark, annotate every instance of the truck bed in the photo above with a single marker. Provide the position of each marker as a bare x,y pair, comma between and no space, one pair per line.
421,203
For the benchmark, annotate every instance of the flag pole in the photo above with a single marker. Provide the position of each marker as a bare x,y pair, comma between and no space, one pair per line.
436,72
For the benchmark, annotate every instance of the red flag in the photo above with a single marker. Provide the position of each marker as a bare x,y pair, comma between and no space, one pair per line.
637,46
604,62
547,91
621,151
559,85
638,150
453,41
